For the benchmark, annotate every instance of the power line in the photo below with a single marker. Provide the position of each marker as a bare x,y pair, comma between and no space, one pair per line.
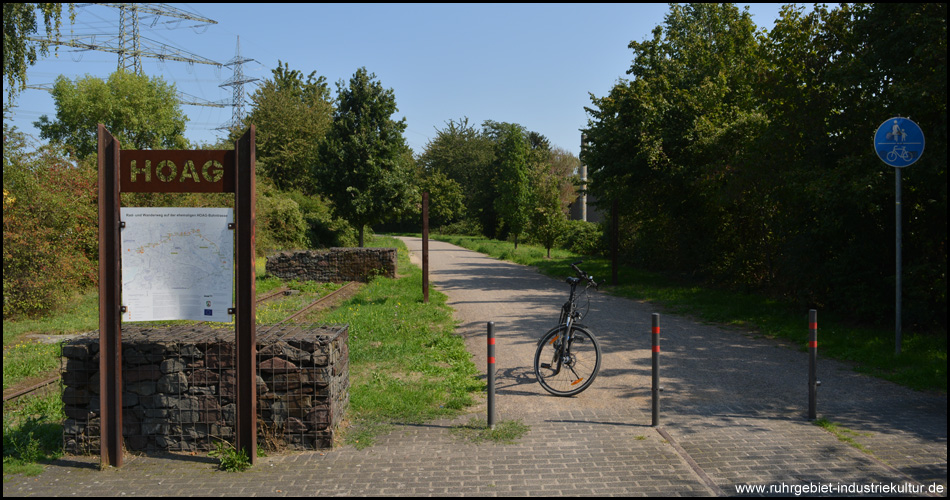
131,47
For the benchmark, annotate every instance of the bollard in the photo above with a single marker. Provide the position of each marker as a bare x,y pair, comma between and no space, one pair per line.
812,364
491,374
656,369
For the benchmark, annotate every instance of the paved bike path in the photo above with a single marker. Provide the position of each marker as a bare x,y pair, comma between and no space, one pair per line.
732,414
735,400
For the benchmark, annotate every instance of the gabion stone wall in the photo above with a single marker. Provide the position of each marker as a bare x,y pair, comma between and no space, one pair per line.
334,265
179,387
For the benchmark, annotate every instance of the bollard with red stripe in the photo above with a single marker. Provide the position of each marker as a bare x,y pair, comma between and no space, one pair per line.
656,369
812,364
491,374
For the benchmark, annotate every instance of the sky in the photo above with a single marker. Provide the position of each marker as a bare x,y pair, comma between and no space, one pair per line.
531,64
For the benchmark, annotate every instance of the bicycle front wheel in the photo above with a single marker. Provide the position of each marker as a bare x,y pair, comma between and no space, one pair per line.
566,370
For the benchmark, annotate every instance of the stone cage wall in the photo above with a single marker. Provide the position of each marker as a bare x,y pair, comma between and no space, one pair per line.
333,265
179,387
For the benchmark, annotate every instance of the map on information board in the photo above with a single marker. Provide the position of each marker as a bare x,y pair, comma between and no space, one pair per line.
177,263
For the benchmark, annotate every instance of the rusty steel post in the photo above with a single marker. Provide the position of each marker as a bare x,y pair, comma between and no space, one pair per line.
245,316
110,296
425,247
614,241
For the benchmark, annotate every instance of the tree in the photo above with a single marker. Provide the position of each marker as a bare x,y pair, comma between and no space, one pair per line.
365,166
565,166
292,115
465,156
141,112
742,156
511,177
19,23
552,190
446,200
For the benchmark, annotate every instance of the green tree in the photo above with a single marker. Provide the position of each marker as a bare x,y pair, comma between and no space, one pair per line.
141,112
292,115
552,190
742,157
365,166
512,178
465,156
446,199
19,23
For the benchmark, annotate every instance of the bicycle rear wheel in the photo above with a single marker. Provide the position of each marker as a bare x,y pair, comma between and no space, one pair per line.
569,370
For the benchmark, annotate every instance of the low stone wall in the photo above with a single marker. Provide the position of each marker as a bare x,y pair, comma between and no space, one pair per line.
179,387
334,265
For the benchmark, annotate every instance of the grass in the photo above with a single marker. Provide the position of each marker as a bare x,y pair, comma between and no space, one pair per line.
922,364
843,434
26,359
477,431
32,433
406,363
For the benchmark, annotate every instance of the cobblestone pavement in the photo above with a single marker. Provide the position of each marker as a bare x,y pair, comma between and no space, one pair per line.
732,416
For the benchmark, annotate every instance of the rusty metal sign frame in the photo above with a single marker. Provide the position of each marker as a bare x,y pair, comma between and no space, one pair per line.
204,171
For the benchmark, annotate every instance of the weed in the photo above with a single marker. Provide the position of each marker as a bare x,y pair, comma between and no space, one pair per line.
231,460
843,434
477,431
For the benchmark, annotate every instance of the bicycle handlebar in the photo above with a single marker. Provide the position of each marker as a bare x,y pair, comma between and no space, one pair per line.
582,274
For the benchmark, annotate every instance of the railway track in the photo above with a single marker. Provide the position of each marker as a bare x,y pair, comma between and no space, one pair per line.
270,295
322,300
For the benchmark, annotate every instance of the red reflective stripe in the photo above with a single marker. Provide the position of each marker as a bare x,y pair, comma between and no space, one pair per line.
812,326
491,341
656,348
656,329
491,360
813,343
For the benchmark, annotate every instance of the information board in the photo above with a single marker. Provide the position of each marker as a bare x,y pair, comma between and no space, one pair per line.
177,263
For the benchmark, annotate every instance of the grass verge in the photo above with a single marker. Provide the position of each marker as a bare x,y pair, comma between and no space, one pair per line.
922,364
406,363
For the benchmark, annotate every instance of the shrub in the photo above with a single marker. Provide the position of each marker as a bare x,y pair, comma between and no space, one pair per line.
50,219
583,238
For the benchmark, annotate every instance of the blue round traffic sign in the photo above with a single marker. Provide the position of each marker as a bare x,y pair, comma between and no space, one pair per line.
899,142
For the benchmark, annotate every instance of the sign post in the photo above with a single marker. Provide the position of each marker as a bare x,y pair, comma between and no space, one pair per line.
898,142
155,171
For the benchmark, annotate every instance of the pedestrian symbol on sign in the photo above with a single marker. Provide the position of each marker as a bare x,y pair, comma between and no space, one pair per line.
899,142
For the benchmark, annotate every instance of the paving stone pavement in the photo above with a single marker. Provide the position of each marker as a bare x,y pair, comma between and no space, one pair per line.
732,416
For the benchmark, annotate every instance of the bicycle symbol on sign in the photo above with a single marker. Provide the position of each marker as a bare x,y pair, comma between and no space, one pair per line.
900,152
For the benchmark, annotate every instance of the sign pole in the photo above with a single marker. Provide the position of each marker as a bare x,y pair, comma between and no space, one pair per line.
425,247
898,266
110,302
244,319
898,142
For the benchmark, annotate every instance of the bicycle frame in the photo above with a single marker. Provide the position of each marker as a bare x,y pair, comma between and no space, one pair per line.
566,323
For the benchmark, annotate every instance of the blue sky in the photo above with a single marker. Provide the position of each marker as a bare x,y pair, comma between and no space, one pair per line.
532,64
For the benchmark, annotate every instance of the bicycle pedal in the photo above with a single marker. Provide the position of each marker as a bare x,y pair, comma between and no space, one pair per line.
545,365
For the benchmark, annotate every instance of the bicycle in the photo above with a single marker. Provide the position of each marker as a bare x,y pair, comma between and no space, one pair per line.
571,347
